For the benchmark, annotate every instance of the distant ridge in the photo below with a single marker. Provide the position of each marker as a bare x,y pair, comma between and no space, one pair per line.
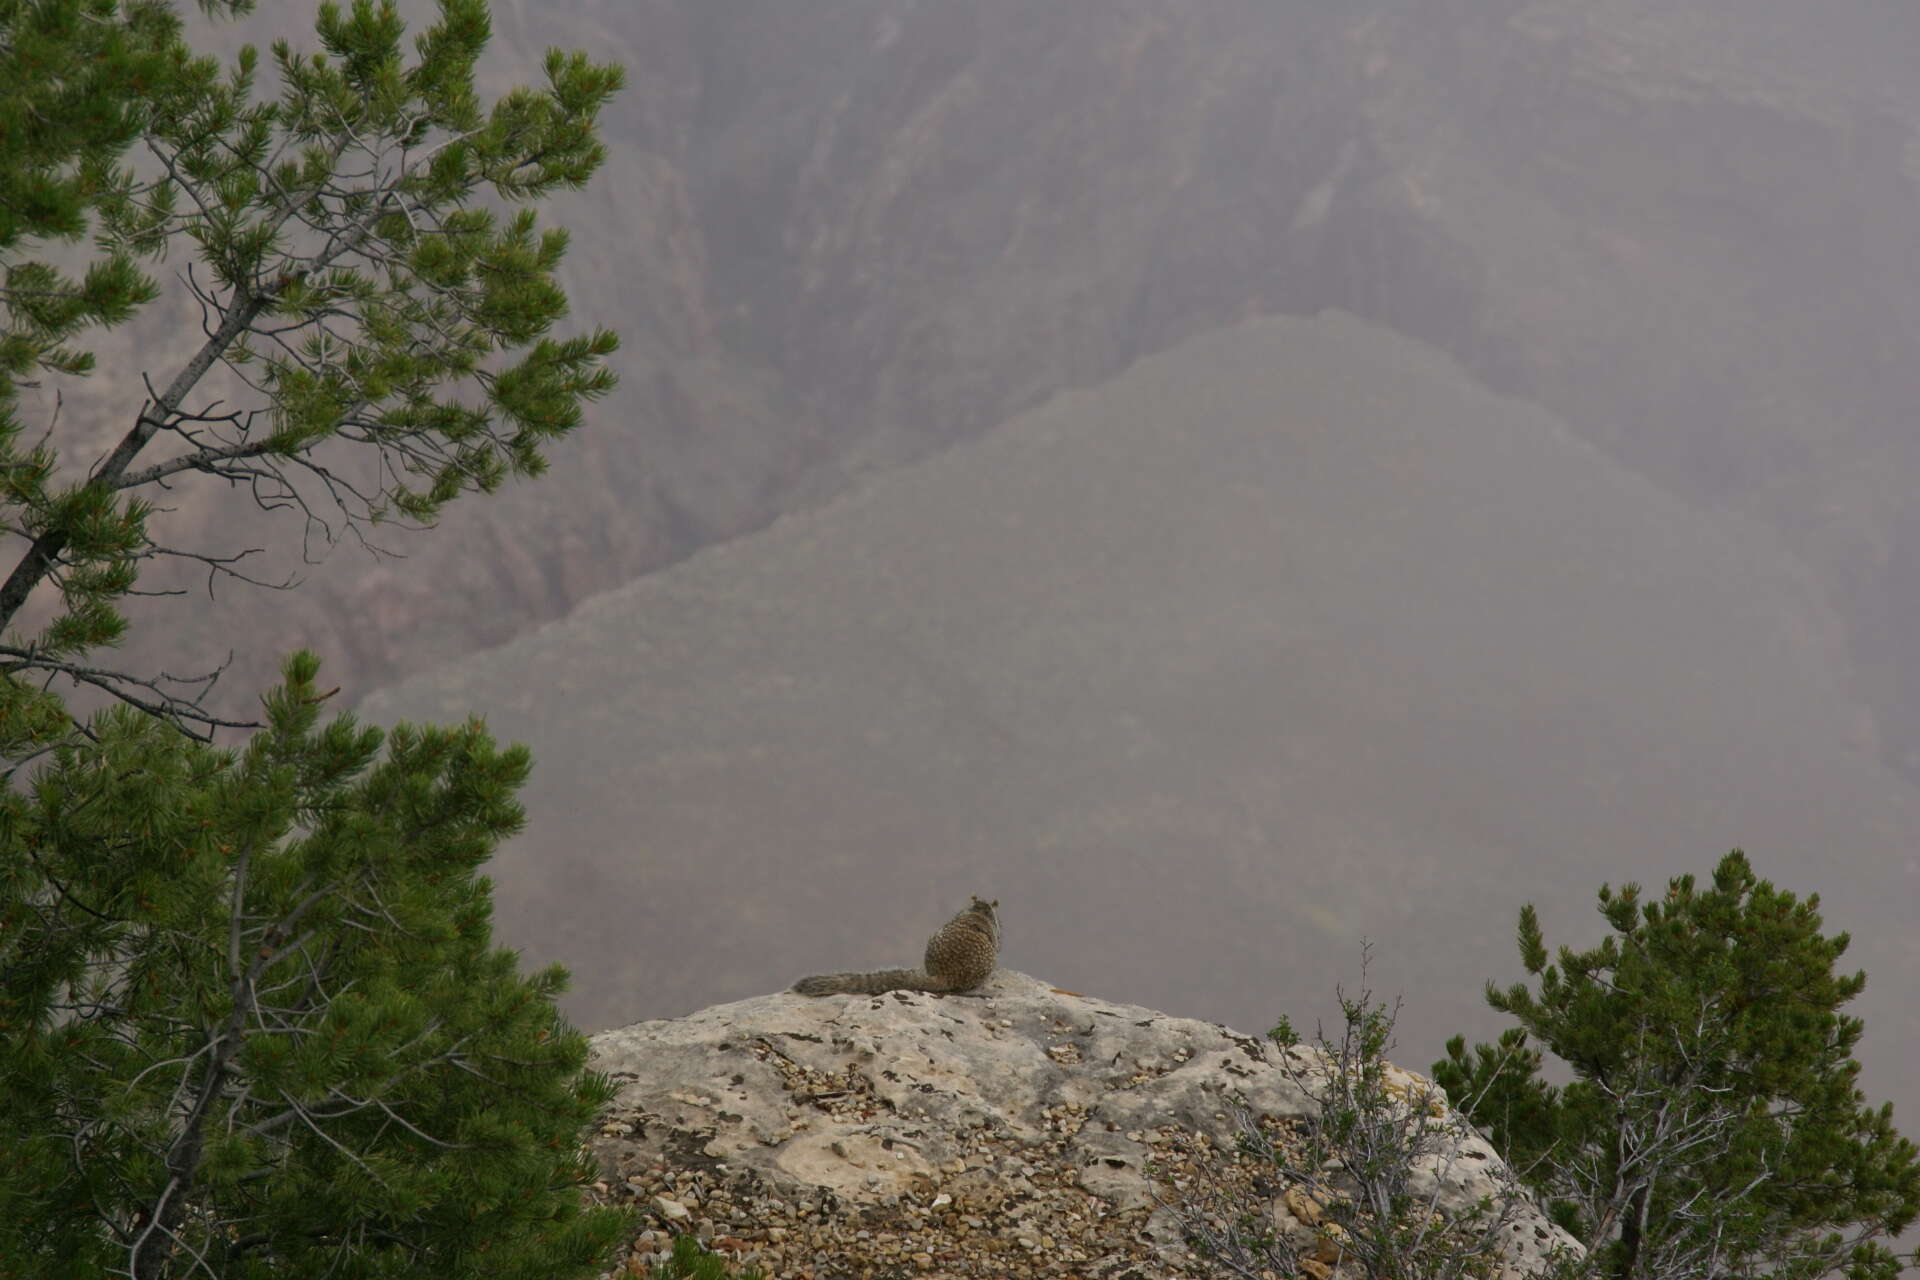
1286,636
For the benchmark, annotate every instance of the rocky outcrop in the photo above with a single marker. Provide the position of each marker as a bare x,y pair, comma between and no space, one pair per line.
1020,1130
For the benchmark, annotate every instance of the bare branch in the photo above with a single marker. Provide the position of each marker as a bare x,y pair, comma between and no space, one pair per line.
186,713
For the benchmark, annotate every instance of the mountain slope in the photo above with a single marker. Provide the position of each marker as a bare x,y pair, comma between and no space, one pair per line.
847,235
1287,636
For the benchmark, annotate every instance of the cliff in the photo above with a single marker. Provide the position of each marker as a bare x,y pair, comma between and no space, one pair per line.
1019,1130
1390,463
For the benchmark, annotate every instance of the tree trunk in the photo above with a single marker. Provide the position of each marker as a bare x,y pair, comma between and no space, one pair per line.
1632,1236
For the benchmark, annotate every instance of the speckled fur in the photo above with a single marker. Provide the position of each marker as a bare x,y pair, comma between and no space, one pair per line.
961,954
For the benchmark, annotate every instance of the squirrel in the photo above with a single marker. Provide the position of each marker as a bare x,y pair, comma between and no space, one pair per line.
960,954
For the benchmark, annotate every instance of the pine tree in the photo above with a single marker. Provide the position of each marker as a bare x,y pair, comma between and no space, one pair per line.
389,331
1713,1127
253,1021
78,76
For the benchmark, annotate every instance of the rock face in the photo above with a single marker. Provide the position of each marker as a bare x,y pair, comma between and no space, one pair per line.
1011,1131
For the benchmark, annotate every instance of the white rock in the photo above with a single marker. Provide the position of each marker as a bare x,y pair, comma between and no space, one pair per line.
930,1074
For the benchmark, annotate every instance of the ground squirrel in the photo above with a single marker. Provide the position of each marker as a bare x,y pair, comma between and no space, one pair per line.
960,954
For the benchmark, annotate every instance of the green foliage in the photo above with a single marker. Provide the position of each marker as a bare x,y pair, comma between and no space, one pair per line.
1713,1126
252,1022
251,1019
77,81
394,333
691,1262
79,76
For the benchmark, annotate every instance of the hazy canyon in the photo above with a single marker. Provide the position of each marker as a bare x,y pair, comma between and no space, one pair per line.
1226,477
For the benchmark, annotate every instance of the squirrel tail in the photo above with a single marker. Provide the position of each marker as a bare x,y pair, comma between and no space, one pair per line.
868,984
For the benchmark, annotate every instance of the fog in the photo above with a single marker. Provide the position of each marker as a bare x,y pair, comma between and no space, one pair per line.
1228,478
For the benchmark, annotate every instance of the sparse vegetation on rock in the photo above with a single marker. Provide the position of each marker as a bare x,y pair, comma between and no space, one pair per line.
1380,1178
689,1261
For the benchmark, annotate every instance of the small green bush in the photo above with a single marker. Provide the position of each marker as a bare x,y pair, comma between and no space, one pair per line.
692,1262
